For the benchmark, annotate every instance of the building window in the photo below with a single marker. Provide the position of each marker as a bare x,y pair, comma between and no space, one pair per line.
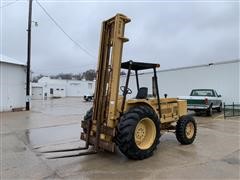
62,89
57,89
89,85
51,91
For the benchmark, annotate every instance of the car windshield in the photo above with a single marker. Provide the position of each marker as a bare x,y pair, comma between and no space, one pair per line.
202,93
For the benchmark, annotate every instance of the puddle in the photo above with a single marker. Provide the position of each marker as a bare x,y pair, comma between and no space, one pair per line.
49,135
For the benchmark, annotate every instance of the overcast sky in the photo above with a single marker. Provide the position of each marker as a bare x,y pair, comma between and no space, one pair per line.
170,33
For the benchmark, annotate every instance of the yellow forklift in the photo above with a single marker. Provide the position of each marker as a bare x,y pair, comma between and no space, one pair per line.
132,125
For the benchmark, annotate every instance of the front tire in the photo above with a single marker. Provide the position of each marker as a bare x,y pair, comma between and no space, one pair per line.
138,132
209,111
219,109
186,130
197,112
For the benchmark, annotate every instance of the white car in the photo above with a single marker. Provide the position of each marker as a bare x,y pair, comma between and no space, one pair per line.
88,97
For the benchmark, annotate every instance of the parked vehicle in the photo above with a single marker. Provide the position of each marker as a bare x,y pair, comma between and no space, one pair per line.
203,100
88,97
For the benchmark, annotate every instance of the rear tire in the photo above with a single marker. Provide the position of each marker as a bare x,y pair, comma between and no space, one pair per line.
138,132
186,130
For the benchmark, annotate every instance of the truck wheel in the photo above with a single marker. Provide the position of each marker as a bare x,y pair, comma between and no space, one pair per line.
197,112
138,132
209,111
186,130
219,109
88,118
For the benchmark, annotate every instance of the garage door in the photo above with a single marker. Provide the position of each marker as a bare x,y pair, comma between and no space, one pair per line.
37,93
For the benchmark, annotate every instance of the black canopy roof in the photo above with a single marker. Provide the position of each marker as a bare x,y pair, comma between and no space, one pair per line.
138,65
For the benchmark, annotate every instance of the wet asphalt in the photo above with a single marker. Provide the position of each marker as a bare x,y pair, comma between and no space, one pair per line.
55,124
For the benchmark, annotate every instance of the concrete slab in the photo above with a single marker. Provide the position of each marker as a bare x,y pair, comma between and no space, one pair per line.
18,162
56,124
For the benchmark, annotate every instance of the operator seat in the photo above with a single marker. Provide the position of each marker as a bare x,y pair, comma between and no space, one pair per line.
142,93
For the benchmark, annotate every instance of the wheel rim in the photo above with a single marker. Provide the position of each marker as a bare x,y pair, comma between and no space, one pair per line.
145,133
189,131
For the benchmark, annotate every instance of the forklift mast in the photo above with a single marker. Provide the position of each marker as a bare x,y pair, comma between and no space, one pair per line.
105,103
108,72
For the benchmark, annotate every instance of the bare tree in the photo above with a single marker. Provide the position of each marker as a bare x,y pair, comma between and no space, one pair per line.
36,78
89,75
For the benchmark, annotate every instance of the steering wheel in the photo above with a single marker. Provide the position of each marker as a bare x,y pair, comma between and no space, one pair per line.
128,90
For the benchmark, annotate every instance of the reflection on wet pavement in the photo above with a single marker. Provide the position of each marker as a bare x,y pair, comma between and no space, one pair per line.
48,135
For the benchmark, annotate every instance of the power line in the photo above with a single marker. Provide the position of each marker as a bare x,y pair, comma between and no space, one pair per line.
65,68
8,4
61,28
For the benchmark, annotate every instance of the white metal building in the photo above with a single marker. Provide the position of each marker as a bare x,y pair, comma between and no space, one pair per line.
224,77
12,84
47,87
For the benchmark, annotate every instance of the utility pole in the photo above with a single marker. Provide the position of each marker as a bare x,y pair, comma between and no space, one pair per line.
28,56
